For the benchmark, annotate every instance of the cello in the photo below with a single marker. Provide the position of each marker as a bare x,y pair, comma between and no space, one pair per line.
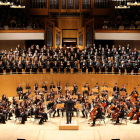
93,113
134,96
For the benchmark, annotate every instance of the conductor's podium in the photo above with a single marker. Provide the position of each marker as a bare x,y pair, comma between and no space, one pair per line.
73,126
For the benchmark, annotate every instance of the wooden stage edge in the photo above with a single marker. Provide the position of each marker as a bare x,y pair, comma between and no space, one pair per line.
68,126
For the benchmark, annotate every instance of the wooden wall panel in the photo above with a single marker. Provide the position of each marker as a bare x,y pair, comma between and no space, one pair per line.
69,23
8,83
69,34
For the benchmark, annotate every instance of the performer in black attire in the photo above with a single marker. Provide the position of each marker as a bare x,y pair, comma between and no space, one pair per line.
121,114
2,116
87,108
50,107
116,88
98,115
19,91
69,109
37,115
19,114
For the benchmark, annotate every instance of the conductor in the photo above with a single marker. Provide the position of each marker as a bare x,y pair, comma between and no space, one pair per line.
69,109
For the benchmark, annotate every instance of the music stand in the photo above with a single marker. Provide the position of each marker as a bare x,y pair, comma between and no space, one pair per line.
25,90
55,89
95,90
43,89
122,93
104,88
70,88
75,96
110,90
57,96
84,89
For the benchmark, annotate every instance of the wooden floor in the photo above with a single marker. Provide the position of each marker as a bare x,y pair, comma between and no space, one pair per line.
50,131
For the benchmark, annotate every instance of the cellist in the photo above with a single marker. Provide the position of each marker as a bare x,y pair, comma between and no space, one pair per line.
121,113
134,92
98,115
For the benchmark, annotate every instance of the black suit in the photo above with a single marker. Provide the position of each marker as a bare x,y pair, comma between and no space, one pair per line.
116,88
18,114
69,108
98,115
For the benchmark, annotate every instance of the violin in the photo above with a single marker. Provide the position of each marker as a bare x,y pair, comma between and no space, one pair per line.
87,105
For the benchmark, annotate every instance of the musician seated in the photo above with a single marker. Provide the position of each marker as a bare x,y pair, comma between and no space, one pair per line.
51,108
116,88
42,111
136,106
104,93
121,114
134,92
115,94
2,116
18,113
61,101
26,96
75,89
19,90
45,87
87,108
37,115
52,85
98,115
6,110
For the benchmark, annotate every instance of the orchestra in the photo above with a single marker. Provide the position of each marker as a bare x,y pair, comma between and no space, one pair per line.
42,103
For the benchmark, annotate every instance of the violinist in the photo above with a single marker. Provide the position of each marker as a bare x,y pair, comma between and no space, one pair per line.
6,111
37,115
4,97
79,96
42,111
19,113
87,108
98,115
121,113
61,101
26,96
51,108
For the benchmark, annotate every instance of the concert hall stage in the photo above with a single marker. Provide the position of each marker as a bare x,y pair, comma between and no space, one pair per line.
50,131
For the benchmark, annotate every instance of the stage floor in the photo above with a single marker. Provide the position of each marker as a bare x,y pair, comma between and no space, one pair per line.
50,131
